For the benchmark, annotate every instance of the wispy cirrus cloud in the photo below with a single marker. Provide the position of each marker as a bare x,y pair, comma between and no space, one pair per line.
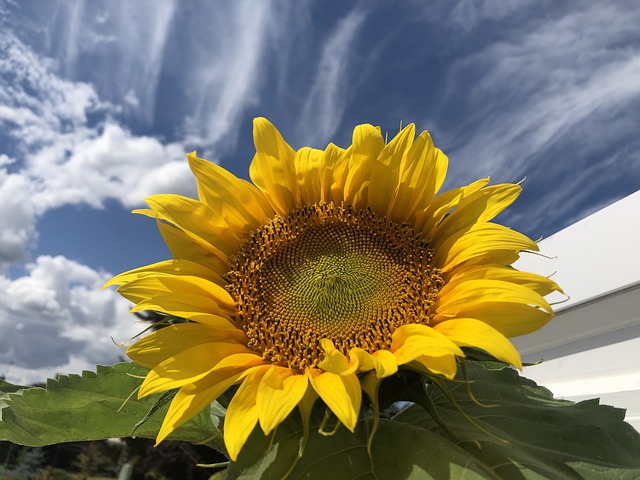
225,75
107,46
326,100
544,99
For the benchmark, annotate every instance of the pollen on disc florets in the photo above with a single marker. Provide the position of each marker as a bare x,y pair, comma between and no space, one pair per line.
329,271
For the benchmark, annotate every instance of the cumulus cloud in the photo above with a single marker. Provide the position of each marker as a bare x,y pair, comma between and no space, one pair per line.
17,217
109,164
65,147
65,158
56,319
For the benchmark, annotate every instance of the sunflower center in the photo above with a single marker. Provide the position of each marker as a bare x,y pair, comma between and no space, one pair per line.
329,271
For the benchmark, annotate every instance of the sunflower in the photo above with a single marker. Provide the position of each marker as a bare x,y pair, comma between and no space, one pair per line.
325,275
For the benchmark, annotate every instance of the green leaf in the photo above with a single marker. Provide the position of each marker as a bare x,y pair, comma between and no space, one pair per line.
399,450
528,435
91,406
6,387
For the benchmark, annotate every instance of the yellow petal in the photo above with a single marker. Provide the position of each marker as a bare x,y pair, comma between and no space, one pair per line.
150,287
335,361
480,206
441,365
192,307
436,211
481,292
387,363
341,393
308,167
385,170
199,221
278,393
421,175
339,175
366,146
539,284
382,361
191,364
156,347
194,397
242,413
479,241
468,332
167,267
510,319
413,340
238,201
182,246
329,173
272,168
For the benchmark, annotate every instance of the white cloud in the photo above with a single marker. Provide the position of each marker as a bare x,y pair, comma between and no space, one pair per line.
17,217
469,14
552,99
225,75
110,164
6,160
326,101
55,319
106,44
64,159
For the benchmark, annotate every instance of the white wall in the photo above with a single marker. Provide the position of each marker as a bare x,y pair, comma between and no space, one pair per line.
592,347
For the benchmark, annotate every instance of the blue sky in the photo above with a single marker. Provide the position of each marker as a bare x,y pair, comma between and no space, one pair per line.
99,102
